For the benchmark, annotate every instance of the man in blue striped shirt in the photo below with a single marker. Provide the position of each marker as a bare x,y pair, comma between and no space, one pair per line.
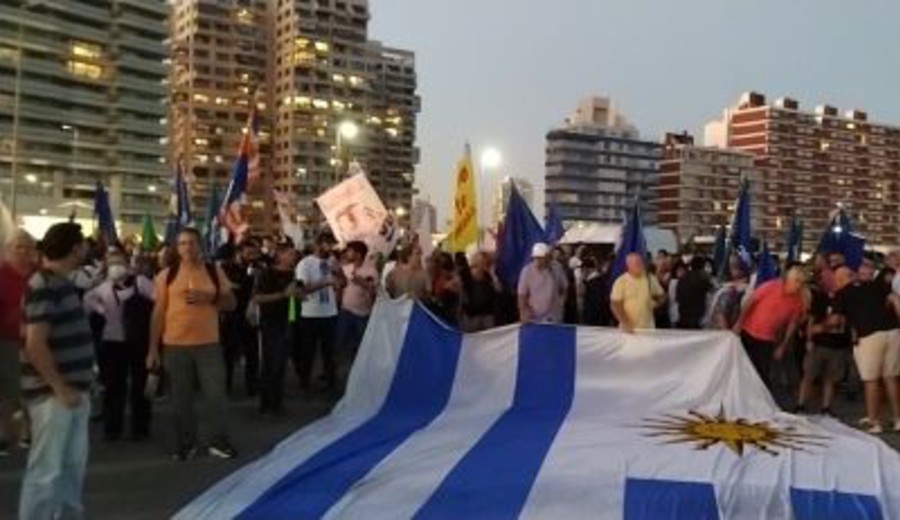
57,373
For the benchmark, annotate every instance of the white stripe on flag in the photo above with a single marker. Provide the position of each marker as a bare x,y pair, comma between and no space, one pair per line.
482,391
373,371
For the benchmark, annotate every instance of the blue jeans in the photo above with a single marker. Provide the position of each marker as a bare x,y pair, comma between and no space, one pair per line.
351,329
57,460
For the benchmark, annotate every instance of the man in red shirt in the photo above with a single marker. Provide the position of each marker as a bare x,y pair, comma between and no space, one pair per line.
774,311
16,265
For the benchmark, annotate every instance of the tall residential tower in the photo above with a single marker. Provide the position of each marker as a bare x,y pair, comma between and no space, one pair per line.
82,99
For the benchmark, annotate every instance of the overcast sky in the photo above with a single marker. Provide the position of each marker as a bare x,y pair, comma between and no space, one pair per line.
503,72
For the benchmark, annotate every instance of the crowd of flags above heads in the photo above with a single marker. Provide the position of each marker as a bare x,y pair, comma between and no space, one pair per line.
517,233
221,218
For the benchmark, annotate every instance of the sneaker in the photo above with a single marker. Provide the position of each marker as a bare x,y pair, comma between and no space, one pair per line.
870,426
222,449
185,453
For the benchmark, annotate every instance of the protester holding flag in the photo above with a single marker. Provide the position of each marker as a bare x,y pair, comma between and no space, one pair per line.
273,289
725,307
774,310
635,295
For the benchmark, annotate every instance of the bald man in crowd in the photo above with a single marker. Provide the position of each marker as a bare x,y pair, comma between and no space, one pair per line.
635,296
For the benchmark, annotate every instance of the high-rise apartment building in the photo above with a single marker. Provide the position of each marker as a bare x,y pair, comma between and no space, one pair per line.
82,99
501,196
698,186
810,160
597,164
221,57
340,98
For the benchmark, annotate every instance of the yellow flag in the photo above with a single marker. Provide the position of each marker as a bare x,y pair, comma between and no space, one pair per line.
465,207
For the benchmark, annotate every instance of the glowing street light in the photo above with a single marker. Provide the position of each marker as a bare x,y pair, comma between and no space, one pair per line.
348,130
491,158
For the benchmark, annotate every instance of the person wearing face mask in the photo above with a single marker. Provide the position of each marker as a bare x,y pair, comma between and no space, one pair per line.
124,301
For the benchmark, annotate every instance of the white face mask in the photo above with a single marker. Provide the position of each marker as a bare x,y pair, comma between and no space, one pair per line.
117,273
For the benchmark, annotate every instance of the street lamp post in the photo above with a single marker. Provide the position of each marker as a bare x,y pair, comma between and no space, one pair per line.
491,159
346,131
17,102
75,142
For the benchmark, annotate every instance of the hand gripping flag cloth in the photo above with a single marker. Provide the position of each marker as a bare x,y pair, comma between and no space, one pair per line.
544,421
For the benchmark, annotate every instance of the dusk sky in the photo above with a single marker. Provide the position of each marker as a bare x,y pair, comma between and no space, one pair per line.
503,72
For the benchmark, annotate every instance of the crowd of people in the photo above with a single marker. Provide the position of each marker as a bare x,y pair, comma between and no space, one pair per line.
73,310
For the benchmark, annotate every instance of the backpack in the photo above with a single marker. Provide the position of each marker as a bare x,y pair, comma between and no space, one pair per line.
210,270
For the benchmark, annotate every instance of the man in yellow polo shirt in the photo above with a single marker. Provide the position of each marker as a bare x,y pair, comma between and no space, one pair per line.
635,295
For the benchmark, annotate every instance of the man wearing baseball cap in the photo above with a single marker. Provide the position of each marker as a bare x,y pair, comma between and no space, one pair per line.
537,287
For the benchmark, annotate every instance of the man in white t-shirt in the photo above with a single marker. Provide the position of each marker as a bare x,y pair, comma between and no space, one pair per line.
318,275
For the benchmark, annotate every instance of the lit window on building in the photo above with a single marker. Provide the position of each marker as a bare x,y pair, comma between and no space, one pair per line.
338,105
221,100
86,50
245,16
201,141
322,46
356,81
393,132
320,103
339,78
201,98
85,70
201,158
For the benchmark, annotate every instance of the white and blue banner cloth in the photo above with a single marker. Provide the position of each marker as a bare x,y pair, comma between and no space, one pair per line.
558,422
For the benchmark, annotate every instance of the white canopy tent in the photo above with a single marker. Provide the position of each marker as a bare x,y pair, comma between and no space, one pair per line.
609,234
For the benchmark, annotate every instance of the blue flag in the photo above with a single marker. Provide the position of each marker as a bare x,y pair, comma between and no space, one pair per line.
521,230
182,198
103,212
767,269
631,241
553,225
840,238
212,236
741,225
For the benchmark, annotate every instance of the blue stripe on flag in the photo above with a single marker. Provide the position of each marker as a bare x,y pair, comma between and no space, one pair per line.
811,504
418,393
495,477
670,499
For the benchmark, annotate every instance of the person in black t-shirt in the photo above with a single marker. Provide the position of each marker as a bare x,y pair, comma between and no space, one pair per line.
827,350
596,310
870,309
273,289
239,337
481,294
691,294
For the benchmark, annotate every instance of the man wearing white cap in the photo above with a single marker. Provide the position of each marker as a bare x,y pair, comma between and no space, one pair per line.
538,287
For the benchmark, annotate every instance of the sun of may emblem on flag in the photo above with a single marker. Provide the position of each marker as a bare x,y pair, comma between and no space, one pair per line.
705,431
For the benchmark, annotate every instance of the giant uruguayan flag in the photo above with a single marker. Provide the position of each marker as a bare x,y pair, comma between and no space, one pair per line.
557,422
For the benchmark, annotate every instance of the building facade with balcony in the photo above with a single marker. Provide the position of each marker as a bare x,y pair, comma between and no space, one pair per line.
330,75
597,163
221,56
698,187
501,196
89,105
811,160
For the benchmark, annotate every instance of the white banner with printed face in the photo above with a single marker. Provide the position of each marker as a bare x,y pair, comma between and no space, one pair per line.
353,209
